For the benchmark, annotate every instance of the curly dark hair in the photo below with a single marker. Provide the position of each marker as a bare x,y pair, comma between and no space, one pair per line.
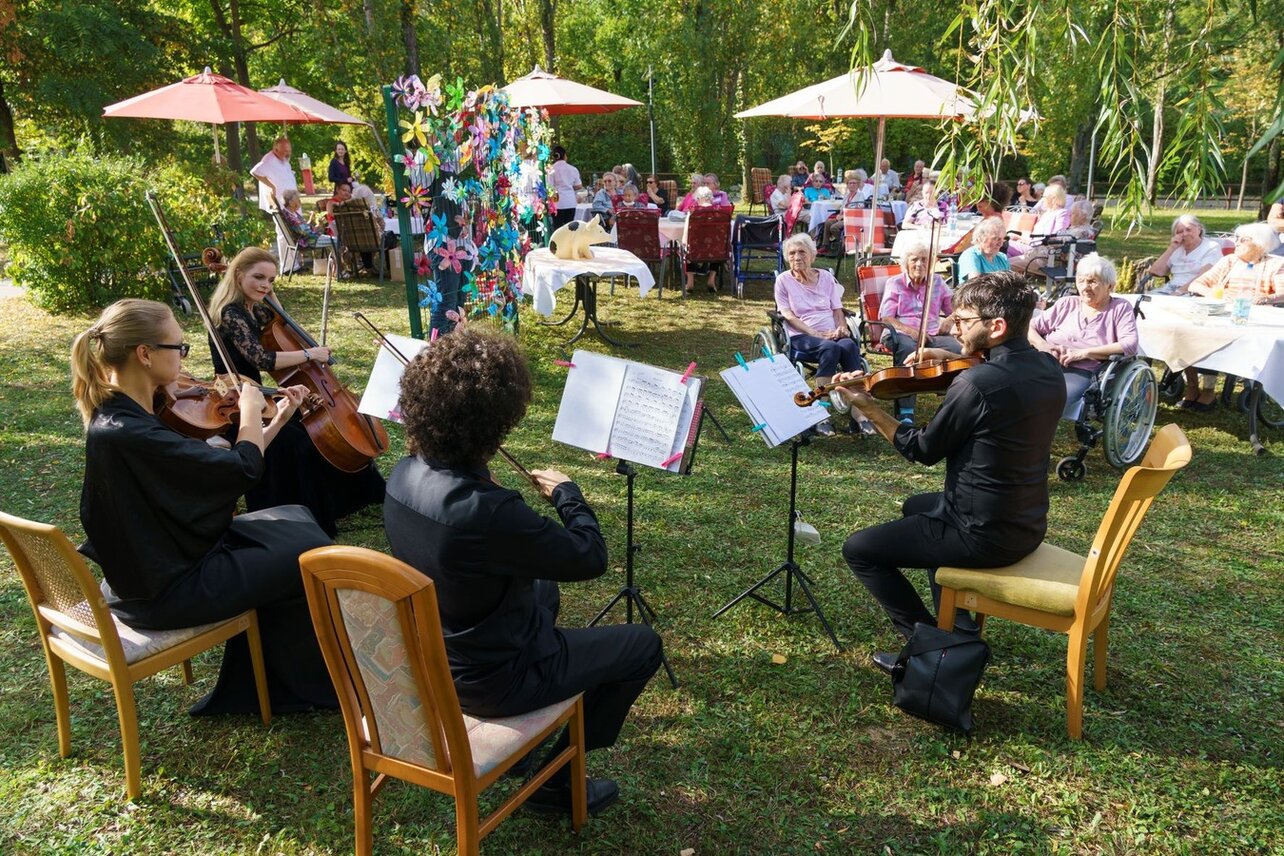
462,395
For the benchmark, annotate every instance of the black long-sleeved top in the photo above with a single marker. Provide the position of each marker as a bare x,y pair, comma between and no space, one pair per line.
154,502
995,429
484,548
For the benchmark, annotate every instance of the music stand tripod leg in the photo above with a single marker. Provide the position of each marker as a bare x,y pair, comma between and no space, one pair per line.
630,593
789,567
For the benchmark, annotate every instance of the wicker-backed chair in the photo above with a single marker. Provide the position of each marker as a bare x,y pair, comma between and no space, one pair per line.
670,188
377,622
760,185
1062,591
359,232
76,628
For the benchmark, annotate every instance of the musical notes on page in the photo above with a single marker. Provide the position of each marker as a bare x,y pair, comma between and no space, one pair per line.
765,389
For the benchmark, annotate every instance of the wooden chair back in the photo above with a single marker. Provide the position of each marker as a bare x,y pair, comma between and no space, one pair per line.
1020,221
356,229
759,178
379,628
670,188
638,231
1169,451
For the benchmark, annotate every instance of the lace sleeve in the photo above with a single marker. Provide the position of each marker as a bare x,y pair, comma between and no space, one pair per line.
241,332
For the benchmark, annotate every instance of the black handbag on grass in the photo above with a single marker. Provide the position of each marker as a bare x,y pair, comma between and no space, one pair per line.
936,675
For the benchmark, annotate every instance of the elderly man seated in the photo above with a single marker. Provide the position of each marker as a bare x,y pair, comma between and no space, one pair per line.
902,312
1189,254
1084,330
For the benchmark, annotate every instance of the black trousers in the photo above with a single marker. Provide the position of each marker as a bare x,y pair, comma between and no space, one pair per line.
610,665
916,541
563,216
254,566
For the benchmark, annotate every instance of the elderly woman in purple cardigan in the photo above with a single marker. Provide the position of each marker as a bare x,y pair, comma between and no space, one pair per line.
1084,330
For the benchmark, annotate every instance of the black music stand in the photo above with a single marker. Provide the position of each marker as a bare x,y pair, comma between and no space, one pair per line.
789,567
630,593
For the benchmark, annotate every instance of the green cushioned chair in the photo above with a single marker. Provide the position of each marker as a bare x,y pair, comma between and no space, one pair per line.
1059,590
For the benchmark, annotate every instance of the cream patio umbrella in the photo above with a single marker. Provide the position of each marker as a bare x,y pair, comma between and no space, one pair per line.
886,90
560,96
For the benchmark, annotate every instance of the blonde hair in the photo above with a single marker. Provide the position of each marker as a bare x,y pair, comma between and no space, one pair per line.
229,287
106,345
1054,195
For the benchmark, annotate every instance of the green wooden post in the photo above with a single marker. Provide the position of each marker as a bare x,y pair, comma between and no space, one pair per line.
403,217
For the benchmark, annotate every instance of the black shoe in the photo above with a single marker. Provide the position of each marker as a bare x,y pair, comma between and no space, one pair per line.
885,660
824,429
556,799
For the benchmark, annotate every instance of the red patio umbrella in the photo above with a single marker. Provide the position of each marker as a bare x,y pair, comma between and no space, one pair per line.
208,97
560,96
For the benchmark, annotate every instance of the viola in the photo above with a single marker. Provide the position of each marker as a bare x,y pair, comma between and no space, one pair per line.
897,381
347,439
203,408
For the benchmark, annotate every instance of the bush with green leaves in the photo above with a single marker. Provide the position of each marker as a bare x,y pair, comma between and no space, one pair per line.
80,234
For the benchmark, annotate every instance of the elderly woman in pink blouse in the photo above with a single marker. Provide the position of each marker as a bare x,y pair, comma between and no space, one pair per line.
1084,330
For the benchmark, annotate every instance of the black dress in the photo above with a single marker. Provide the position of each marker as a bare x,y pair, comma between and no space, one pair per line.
296,473
157,510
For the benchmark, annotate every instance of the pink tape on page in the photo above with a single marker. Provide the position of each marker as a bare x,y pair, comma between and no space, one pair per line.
687,373
566,364
603,456
671,458
433,337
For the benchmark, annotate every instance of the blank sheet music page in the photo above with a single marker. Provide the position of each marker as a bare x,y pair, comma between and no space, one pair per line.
589,401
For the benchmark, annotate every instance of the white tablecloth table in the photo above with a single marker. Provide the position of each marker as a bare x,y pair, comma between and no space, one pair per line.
390,224
1177,331
898,210
820,211
545,273
672,231
583,210
946,238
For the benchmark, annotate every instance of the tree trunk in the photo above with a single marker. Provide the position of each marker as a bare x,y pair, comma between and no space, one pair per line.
1271,178
1161,99
547,18
367,6
1079,152
410,35
9,153
232,134
1243,185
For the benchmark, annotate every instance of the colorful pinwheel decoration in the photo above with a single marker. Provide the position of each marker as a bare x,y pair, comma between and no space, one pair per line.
431,296
423,264
415,130
452,255
417,198
439,231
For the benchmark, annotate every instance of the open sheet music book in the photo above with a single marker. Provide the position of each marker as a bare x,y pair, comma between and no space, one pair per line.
765,389
630,411
384,387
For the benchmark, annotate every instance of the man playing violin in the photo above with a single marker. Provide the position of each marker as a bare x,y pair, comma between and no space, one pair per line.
994,429
496,562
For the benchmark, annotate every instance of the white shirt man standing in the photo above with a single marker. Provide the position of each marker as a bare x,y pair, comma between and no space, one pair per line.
275,177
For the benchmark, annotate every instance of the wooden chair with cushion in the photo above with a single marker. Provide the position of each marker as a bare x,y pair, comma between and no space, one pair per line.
77,628
1059,590
377,622
760,187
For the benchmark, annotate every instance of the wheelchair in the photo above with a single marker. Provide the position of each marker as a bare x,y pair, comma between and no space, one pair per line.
774,339
1123,398
1058,276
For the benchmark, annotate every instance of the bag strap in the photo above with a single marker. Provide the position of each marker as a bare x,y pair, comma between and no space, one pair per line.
922,643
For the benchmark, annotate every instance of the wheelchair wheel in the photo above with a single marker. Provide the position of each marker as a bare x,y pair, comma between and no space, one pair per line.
764,339
1171,386
1133,398
182,304
1269,412
1071,469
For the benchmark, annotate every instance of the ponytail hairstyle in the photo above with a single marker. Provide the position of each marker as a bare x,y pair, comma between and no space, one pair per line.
106,345
229,287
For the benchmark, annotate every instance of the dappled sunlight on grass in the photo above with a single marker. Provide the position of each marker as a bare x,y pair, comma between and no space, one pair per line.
1183,751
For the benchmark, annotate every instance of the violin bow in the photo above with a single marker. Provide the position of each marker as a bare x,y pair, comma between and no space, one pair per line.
325,297
220,348
931,280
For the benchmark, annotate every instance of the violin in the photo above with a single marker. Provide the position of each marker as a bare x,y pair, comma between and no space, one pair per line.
387,344
897,381
193,407
203,408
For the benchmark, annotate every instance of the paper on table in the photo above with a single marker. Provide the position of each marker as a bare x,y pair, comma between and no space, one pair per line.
384,387
586,414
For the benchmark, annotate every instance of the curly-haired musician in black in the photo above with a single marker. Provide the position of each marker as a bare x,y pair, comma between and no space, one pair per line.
496,562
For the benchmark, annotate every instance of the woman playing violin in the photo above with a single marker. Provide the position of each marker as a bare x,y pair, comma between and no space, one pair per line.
157,509
296,472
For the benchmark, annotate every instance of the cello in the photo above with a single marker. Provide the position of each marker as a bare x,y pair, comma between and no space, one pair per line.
347,439
921,376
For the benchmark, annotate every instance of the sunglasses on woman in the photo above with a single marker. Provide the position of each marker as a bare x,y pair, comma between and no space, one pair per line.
182,347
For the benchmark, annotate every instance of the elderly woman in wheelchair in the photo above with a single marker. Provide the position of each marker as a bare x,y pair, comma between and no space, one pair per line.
1094,336
810,303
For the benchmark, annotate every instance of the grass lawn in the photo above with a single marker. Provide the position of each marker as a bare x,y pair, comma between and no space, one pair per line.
1182,753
